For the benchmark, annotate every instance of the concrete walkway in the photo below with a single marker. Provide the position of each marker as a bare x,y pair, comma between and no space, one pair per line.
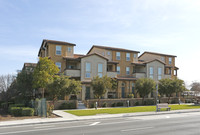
69,117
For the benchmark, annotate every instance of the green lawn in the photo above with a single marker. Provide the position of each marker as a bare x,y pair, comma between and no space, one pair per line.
128,110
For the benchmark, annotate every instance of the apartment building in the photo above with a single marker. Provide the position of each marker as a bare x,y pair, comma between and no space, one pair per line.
119,63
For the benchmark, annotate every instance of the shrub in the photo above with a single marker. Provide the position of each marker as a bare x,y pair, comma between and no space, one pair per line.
113,104
16,111
173,102
14,105
137,103
120,104
149,102
104,104
27,111
67,106
50,108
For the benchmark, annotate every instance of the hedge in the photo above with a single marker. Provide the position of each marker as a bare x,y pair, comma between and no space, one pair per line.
67,106
21,111
14,105
16,111
27,111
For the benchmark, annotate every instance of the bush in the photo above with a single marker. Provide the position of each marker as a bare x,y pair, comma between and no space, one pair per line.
16,111
27,111
14,105
173,102
137,103
148,102
50,108
120,104
113,104
67,106
104,104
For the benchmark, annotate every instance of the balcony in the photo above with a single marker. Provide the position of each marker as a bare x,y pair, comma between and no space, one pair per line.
111,74
73,72
167,76
139,75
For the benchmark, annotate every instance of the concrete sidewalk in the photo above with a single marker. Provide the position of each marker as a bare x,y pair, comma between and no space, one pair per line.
64,117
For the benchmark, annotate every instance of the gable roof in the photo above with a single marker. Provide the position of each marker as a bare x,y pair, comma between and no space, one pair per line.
112,48
154,60
45,41
156,54
94,54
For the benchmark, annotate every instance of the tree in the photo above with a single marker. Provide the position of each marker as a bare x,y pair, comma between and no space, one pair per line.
6,86
73,88
57,86
169,86
25,86
43,73
178,85
166,87
195,86
144,86
100,85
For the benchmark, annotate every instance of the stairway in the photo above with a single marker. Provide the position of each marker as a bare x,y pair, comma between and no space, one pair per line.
81,105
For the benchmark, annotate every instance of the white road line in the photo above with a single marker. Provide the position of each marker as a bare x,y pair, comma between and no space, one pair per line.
168,117
126,130
95,123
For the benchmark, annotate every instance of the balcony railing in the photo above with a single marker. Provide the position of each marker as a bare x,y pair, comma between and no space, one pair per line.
111,74
139,75
73,72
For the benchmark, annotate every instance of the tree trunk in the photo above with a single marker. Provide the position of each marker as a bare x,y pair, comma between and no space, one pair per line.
168,99
143,100
42,92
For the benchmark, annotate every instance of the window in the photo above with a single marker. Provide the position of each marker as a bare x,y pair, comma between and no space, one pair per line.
100,70
108,53
69,49
159,73
118,70
103,53
127,56
151,72
118,55
170,60
127,70
163,59
58,64
134,55
88,70
58,50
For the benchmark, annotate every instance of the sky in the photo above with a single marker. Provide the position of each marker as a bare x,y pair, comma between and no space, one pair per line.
164,26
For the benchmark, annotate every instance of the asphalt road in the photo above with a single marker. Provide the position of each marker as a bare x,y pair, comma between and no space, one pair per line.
170,124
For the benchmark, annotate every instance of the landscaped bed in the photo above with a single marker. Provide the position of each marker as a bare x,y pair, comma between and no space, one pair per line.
128,110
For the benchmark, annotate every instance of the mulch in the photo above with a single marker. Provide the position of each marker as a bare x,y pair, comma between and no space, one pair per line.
6,117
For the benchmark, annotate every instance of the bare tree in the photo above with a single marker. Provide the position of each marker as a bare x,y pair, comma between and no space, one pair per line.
195,86
5,83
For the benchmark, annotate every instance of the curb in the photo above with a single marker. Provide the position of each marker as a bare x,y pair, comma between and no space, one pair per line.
123,115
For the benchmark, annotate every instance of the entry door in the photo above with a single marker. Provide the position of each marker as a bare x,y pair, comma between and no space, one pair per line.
87,94
123,92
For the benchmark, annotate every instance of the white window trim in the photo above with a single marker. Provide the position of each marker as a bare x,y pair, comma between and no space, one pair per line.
128,57
128,71
151,75
87,72
118,56
170,62
99,72
59,50
118,72
69,49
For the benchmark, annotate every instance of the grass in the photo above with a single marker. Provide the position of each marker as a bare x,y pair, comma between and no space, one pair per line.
128,110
